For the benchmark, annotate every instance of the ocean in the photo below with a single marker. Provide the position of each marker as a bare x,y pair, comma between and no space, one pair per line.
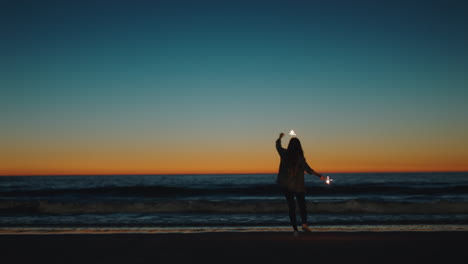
160,203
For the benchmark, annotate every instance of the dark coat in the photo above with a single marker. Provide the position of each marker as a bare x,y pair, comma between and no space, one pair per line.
292,179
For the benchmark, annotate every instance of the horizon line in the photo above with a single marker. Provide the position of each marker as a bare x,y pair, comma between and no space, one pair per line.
220,173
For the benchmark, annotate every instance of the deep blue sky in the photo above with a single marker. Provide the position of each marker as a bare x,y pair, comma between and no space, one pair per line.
342,73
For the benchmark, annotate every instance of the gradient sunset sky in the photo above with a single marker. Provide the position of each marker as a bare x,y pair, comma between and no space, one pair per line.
163,87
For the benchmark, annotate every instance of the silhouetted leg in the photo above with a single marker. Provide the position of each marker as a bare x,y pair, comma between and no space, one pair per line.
302,206
292,208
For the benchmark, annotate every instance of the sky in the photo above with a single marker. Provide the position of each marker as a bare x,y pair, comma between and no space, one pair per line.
187,87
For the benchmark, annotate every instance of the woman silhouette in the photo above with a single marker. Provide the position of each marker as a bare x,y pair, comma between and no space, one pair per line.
291,179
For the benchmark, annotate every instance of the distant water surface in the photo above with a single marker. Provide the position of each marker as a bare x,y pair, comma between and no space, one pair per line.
250,201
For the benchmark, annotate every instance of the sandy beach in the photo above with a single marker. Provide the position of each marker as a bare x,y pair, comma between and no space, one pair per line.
232,247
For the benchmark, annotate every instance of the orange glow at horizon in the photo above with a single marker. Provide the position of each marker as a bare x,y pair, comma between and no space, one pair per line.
225,159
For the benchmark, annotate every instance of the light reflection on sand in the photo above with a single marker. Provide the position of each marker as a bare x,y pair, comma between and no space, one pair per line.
189,230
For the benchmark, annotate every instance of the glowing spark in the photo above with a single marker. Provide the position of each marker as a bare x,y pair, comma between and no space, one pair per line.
292,133
328,180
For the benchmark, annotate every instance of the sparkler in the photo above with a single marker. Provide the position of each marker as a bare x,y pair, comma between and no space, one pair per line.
292,133
328,180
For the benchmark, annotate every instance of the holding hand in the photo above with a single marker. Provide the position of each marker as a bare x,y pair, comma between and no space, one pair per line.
281,135
327,179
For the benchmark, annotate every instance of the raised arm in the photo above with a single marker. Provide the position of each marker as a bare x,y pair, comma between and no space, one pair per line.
279,148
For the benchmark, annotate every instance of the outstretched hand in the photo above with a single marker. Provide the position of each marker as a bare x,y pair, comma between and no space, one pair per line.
281,135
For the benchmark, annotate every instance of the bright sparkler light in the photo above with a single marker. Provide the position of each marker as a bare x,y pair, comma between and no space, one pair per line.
292,133
328,180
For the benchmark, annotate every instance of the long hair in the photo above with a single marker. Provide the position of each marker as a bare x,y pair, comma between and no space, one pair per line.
295,153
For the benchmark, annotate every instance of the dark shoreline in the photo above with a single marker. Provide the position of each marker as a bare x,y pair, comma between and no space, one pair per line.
235,247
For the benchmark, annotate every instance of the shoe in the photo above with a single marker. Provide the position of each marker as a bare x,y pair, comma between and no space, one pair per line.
306,228
296,233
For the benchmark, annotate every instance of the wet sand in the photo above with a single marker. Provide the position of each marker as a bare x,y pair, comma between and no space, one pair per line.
233,247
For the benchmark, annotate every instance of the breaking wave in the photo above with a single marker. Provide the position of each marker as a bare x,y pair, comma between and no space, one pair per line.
205,206
259,190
